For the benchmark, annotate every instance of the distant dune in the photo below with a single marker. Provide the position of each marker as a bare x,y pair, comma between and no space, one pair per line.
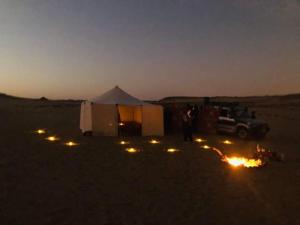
2,95
278,100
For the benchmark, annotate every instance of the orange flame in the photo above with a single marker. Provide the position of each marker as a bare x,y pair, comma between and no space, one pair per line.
241,161
238,161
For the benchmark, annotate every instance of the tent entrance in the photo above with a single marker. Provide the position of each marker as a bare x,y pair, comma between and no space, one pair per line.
129,120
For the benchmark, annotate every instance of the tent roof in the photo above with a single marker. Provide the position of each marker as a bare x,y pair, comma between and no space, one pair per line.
117,96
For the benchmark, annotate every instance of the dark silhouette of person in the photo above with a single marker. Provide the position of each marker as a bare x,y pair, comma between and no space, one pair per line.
245,113
187,125
168,115
253,115
195,114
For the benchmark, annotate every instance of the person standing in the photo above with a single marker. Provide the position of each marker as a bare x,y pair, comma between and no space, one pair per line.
187,125
195,114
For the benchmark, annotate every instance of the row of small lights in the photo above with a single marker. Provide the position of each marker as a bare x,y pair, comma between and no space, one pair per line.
199,140
54,138
153,141
233,161
130,150
171,150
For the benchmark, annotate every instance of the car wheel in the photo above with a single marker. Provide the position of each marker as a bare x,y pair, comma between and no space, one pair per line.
242,133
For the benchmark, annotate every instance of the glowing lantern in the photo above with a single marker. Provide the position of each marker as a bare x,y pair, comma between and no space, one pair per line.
131,150
124,142
227,142
121,124
71,144
205,147
40,131
172,150
52,138
153,141
199,140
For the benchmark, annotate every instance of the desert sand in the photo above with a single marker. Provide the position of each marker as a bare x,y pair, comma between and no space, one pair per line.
98,182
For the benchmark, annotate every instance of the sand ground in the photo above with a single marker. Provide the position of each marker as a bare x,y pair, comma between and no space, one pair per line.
99,183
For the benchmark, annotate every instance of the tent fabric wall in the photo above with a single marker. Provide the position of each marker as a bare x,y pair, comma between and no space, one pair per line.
105,121
100,115
138,114
117,96
153,123
86,117
130,113
126,113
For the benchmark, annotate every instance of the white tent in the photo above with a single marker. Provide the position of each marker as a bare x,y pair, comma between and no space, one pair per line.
104,114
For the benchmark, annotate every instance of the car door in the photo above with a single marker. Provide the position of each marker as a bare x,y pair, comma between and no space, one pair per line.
225,122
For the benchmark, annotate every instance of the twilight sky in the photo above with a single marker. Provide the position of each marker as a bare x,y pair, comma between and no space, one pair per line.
150,48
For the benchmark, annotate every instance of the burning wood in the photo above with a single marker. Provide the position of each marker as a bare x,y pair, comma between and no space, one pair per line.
268,155
239,161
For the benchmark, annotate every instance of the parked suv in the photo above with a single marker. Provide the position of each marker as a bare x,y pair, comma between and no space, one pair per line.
237,120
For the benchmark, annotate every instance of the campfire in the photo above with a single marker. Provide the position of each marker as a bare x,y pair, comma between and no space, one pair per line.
239,161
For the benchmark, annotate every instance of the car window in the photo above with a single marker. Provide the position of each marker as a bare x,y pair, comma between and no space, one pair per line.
224,113
240,112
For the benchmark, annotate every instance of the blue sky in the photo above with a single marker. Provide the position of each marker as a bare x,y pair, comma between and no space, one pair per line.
152,49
